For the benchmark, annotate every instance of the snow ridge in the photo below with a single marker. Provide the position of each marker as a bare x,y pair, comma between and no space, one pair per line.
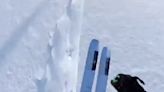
64,50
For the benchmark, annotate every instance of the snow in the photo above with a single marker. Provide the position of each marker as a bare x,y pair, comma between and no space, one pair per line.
133,30
44,43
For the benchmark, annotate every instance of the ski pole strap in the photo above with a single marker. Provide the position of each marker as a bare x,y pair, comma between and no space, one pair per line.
137,78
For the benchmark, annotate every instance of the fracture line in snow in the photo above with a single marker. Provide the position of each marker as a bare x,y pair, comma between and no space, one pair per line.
49,73
67,37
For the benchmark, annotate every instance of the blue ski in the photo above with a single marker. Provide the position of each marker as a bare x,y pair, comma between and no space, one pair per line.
103,70
90,67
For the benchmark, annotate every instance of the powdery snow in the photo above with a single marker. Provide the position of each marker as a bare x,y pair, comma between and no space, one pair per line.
44,43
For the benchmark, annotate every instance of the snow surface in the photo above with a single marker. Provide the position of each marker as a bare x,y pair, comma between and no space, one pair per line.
44,43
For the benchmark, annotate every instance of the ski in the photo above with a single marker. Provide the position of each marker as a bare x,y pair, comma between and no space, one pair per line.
90,67
103,71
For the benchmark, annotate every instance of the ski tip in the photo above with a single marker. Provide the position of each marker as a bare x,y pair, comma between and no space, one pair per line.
106,51
94,44
94,41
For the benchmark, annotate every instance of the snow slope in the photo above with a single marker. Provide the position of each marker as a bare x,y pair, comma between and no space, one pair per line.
133,30
44,43
39,45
